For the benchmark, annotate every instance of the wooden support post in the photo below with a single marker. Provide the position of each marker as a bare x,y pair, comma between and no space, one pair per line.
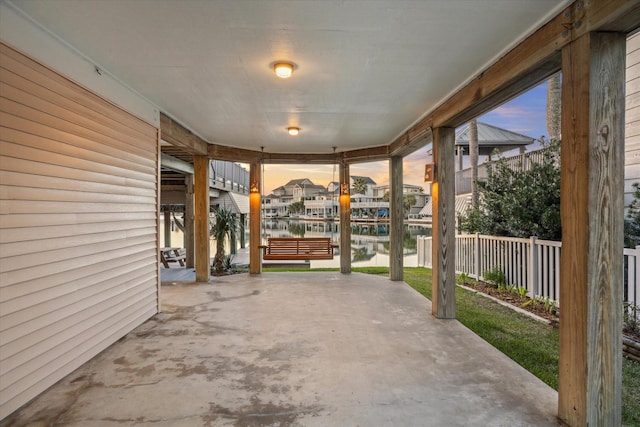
345,219
255,263
167,227
189,234
592,164
444,239
396,224
201,193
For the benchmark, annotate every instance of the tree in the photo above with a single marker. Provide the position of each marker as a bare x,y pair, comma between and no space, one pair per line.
519,204
225,225
296,207
359,186
632,223
385,197
408,201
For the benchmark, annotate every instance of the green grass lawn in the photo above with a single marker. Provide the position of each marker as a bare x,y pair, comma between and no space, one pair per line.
531,344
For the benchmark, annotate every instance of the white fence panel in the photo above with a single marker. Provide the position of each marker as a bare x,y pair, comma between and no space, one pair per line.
632,276
530,263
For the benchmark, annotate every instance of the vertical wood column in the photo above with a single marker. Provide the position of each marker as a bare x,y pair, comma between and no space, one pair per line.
255,263
443,193
592,165
396,213
189,242
167,228
345,219
201,193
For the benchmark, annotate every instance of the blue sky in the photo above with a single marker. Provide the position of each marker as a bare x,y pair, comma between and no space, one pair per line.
525,114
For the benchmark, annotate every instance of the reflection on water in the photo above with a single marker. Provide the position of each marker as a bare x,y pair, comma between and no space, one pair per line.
369,241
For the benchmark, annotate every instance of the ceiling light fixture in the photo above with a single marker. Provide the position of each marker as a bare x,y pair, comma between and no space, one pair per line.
293,131
283,69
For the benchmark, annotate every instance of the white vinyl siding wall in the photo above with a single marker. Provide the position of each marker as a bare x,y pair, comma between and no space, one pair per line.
78,226
632,118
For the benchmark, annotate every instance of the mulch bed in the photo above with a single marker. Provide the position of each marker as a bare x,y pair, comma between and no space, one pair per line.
631,344
515,300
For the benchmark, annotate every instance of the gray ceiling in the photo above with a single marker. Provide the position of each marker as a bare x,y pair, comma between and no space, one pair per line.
366,70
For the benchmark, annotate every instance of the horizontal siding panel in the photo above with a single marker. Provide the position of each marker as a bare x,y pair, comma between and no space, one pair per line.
632,143
18,179
74,319
33,134
8,192
43,76
40,220
63,132
10,278
633,101
20,241
31,167
34,294
105,242
632,114
632,129
633,87
32,315
632,73
20,90
66,351
43,112
59,149
78,226
16,397
49,207
633,57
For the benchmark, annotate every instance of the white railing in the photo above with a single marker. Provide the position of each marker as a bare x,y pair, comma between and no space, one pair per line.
530,263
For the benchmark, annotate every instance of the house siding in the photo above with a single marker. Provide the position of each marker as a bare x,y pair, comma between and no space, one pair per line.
78,226
632,118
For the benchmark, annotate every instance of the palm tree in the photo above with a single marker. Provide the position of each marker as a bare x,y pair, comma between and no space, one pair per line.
359,186
226,225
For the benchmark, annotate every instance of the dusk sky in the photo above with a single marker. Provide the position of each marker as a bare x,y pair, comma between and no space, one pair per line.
525,114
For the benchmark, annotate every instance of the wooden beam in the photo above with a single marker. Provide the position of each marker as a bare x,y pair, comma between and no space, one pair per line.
443,299
233,154
345,219
412,140
396,216
178,135
174,164
189,218
255,263
592,167
371,154
201,223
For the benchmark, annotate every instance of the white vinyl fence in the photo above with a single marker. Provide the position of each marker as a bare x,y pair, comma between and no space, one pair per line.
530,263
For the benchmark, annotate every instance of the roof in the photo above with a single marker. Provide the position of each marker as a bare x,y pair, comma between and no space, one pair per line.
491,138
299,181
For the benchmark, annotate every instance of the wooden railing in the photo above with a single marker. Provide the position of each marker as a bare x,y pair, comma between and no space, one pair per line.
530,263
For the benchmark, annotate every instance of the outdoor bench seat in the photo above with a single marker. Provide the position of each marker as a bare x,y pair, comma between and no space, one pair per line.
296,248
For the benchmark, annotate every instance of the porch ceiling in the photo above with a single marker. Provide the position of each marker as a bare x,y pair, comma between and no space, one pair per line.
366,70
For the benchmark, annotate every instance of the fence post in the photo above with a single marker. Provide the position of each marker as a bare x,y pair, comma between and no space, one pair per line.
533,267
476,254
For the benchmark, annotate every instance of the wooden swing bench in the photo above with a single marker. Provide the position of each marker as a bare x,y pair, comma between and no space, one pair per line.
296,248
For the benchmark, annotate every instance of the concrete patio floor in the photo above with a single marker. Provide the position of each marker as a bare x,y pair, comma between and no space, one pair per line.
296,349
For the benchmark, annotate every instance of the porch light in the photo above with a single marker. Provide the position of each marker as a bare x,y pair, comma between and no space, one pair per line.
293,131
254,187
283,70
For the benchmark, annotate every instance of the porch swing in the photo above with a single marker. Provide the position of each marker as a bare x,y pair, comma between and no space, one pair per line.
298,248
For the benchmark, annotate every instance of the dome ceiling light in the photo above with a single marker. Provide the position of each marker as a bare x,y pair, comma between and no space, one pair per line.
293,131
284,70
